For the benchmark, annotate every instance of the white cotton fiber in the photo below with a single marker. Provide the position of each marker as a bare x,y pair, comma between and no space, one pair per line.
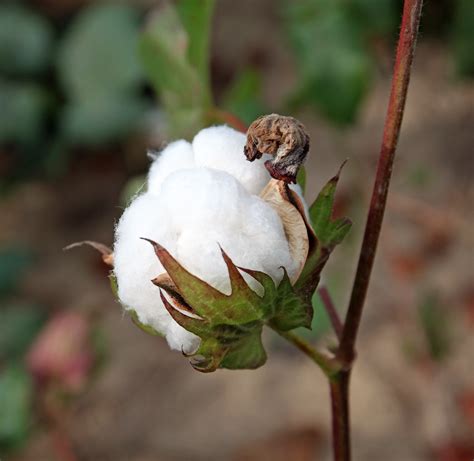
191,210
202,197
176,156
222,148
135,263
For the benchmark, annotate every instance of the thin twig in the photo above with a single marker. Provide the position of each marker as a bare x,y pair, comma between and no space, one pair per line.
327,364
331,310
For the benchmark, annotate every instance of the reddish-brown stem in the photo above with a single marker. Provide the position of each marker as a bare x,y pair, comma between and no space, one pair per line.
393,120
339,387
331,310
346,351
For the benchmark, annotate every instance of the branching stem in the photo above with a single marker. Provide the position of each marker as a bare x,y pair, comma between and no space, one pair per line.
327,364
331,310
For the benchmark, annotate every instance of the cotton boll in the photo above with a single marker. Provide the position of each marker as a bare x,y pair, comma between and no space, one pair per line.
176,156
135,263
222,148
199,196
202,198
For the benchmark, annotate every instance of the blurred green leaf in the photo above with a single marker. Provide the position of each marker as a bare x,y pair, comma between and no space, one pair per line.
25,40
100,120
98,55
164,50
463,37
333,61
377,17
196,17
18,328
243,97
435,322
182,89
24,108
15,406
14,261
301,179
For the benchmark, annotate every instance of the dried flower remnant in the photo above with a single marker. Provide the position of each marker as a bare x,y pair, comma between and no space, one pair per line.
283,137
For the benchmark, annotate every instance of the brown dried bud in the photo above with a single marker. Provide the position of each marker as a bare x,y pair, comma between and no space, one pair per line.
281,136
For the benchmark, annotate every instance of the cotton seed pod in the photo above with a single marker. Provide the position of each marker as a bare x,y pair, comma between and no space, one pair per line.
217,248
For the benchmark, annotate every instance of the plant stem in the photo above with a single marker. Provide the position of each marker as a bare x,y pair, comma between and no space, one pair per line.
331,311
327,365
393,120
346,351
339,387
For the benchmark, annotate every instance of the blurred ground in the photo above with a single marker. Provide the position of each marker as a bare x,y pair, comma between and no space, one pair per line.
147,403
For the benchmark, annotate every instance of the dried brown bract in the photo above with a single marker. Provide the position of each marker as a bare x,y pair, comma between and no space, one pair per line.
281,136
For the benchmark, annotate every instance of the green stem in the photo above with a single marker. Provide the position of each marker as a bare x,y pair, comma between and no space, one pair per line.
328,365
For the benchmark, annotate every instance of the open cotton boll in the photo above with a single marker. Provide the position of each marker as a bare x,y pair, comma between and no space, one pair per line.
222,148
199,196
176,156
